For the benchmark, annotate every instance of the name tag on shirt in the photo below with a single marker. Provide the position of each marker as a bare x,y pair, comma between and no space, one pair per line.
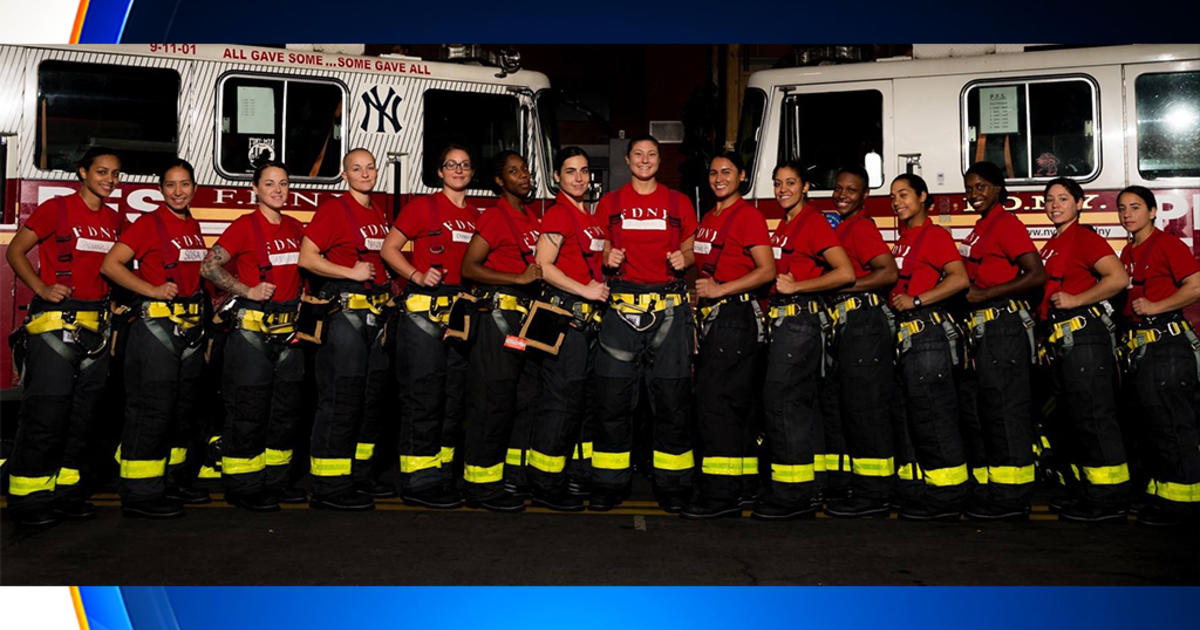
460,237
373,244
598,244
900,262
92,245
702,248
291,258
192,255
643,224
777,252
964,250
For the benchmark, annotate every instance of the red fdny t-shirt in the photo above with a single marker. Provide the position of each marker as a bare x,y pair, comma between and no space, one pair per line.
91,234
1069,259
508,239
798,244
1156,268
921,254
339,239
580,258
439,232
861,240
642,230
184,237
282,249
991,250
741,226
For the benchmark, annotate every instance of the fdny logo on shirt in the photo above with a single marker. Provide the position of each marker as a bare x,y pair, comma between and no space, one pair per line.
460,231
373,234
705,237
283,251
964,248
529,240
94,239
644,219
596,238
899,252
190,247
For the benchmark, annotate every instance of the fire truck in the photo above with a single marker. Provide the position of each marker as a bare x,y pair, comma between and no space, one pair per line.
1108,116
223,107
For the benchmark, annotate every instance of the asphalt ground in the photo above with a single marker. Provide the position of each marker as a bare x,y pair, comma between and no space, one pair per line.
634,544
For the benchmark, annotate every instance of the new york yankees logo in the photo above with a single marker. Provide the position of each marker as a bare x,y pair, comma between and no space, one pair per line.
384,108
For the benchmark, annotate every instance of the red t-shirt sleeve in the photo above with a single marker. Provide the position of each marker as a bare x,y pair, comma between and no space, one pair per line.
42,221
322,229
687,217
140,236
752,229
233,238
413,219
556,221
941,248
820,235
1091,247
492,228
868,239
1181,263
1013,238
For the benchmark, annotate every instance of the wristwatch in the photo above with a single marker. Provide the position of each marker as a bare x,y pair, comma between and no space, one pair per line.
917,302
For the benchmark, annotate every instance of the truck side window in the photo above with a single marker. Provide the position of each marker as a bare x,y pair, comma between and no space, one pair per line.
296,121
484,123
1035,130
829,130
1168,124
133,110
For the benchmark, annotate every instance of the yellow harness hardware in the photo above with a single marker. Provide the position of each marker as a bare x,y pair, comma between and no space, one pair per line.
183,314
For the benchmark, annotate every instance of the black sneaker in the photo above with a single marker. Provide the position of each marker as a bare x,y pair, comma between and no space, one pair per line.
187,495
377,489
704,508
920,512
857,507
152,508
993,512
562,501
349,501
672,502
262,501
603,500
506,502
439,497
290,494
1083,512
37,518
769,510
77,510
1155,516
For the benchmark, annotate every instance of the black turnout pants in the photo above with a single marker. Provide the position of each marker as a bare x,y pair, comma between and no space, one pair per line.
262,382
351,373
795,430
865,349
162,442
1169,397
566,407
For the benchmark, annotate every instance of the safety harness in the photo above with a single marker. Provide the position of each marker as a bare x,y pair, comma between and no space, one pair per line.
977,321
918,321
1154,329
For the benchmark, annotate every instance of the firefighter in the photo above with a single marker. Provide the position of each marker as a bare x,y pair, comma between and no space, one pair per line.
570,252
732,249
646,333
430,372
164,359
341,248
66,337
1082,274
930,273
500,261
863,351
809,262
263,371
1163,359
1004,268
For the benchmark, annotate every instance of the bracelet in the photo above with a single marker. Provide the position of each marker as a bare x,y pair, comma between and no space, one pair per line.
412,275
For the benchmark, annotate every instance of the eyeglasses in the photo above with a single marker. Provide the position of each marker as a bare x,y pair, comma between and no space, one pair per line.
454,166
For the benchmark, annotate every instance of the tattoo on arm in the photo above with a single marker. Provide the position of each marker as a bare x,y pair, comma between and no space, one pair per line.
555,238
213,268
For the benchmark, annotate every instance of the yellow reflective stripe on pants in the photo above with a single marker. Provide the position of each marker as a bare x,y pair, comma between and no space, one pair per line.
610,461
276,457
944,477
208,472
143,468
909,472
323,467
1011,475
178,456
243,465
414,463
873,467
1177,492
22,486
514,457
793,473
980,475
547,463
1106,475
446,455
582,451
364,451
832,462
667,461
483,474
67,477
729,466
